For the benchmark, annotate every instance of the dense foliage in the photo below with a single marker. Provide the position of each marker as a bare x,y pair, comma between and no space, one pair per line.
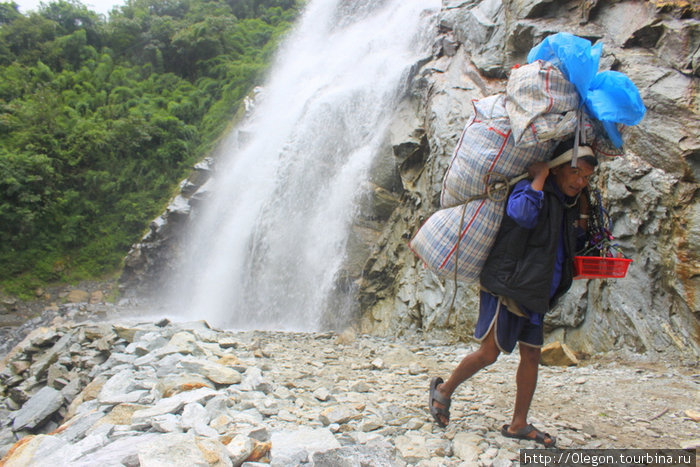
100,118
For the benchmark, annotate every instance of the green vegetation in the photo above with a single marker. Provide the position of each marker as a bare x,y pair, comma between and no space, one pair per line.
101,118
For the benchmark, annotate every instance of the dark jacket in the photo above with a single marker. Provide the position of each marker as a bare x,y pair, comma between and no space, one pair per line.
520,265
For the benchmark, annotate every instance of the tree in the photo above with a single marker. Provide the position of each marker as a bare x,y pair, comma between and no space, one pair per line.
99,120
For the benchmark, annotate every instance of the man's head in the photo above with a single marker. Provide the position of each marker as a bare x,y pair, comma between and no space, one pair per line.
571,180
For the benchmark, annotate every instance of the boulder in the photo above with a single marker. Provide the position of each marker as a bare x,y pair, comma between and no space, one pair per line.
557,354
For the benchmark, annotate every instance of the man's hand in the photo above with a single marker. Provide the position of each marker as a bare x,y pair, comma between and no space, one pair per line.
538,171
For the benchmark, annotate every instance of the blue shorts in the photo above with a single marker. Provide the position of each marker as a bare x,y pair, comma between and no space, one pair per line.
509,328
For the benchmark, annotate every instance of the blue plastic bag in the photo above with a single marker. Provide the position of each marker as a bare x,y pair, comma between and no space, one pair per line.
613,98
574,56
609,96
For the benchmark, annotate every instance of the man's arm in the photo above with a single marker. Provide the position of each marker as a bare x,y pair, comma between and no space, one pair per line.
524,204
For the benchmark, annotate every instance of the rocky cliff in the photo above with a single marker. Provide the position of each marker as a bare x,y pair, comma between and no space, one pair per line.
650,192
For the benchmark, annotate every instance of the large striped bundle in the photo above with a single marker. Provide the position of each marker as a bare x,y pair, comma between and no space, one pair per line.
508,133
505,135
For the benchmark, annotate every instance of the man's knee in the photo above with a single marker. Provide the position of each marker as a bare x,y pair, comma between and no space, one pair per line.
530,355
488,353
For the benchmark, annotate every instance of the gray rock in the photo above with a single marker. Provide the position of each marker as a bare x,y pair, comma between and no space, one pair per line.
466,447
172,404
214,371
176,449
78,426
355,456
166,423
338,414
38,409
239,449
297,445
43,363
412,447
121,387
38,451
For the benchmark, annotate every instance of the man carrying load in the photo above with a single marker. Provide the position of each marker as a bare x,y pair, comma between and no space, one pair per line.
521,247
529,267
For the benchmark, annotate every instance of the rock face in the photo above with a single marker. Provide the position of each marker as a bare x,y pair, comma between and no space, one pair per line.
651,192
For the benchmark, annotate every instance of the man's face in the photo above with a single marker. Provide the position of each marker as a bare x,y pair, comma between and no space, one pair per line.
571,180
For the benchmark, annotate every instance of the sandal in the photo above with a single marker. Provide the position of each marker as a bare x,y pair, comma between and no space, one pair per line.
540,436
438,413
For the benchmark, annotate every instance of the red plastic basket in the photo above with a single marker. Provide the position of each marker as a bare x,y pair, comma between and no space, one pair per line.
596,267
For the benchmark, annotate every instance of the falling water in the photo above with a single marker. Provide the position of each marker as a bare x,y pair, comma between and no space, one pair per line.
267,247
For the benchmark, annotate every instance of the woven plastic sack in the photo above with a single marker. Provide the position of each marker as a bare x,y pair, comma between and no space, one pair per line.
508,133
609,96
436,241
542,105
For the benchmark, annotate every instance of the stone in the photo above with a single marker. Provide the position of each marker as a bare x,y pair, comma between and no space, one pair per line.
240,448
78,296
466,447
166,423
689,444
377,363
96,297
387,425
252,378
214,452
412,446
356,456
41,364
182,382
338,414
121,387
172,404
322,394
297,445
76,428
181,343
174,449
260,451
229,360
694,415
38,409
31,449
558,354
121,414
194,414
90,392
214,371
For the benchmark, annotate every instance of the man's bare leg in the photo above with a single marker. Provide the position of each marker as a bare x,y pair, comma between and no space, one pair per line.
484,356
526,382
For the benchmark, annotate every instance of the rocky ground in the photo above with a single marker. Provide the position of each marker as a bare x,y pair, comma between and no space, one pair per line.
126,391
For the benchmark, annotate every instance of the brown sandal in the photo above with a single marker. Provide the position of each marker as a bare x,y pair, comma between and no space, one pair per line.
540,436
438,413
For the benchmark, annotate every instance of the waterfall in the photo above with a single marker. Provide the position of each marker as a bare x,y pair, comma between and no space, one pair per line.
266,248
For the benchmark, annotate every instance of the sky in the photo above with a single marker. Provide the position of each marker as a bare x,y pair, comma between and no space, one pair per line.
98,6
